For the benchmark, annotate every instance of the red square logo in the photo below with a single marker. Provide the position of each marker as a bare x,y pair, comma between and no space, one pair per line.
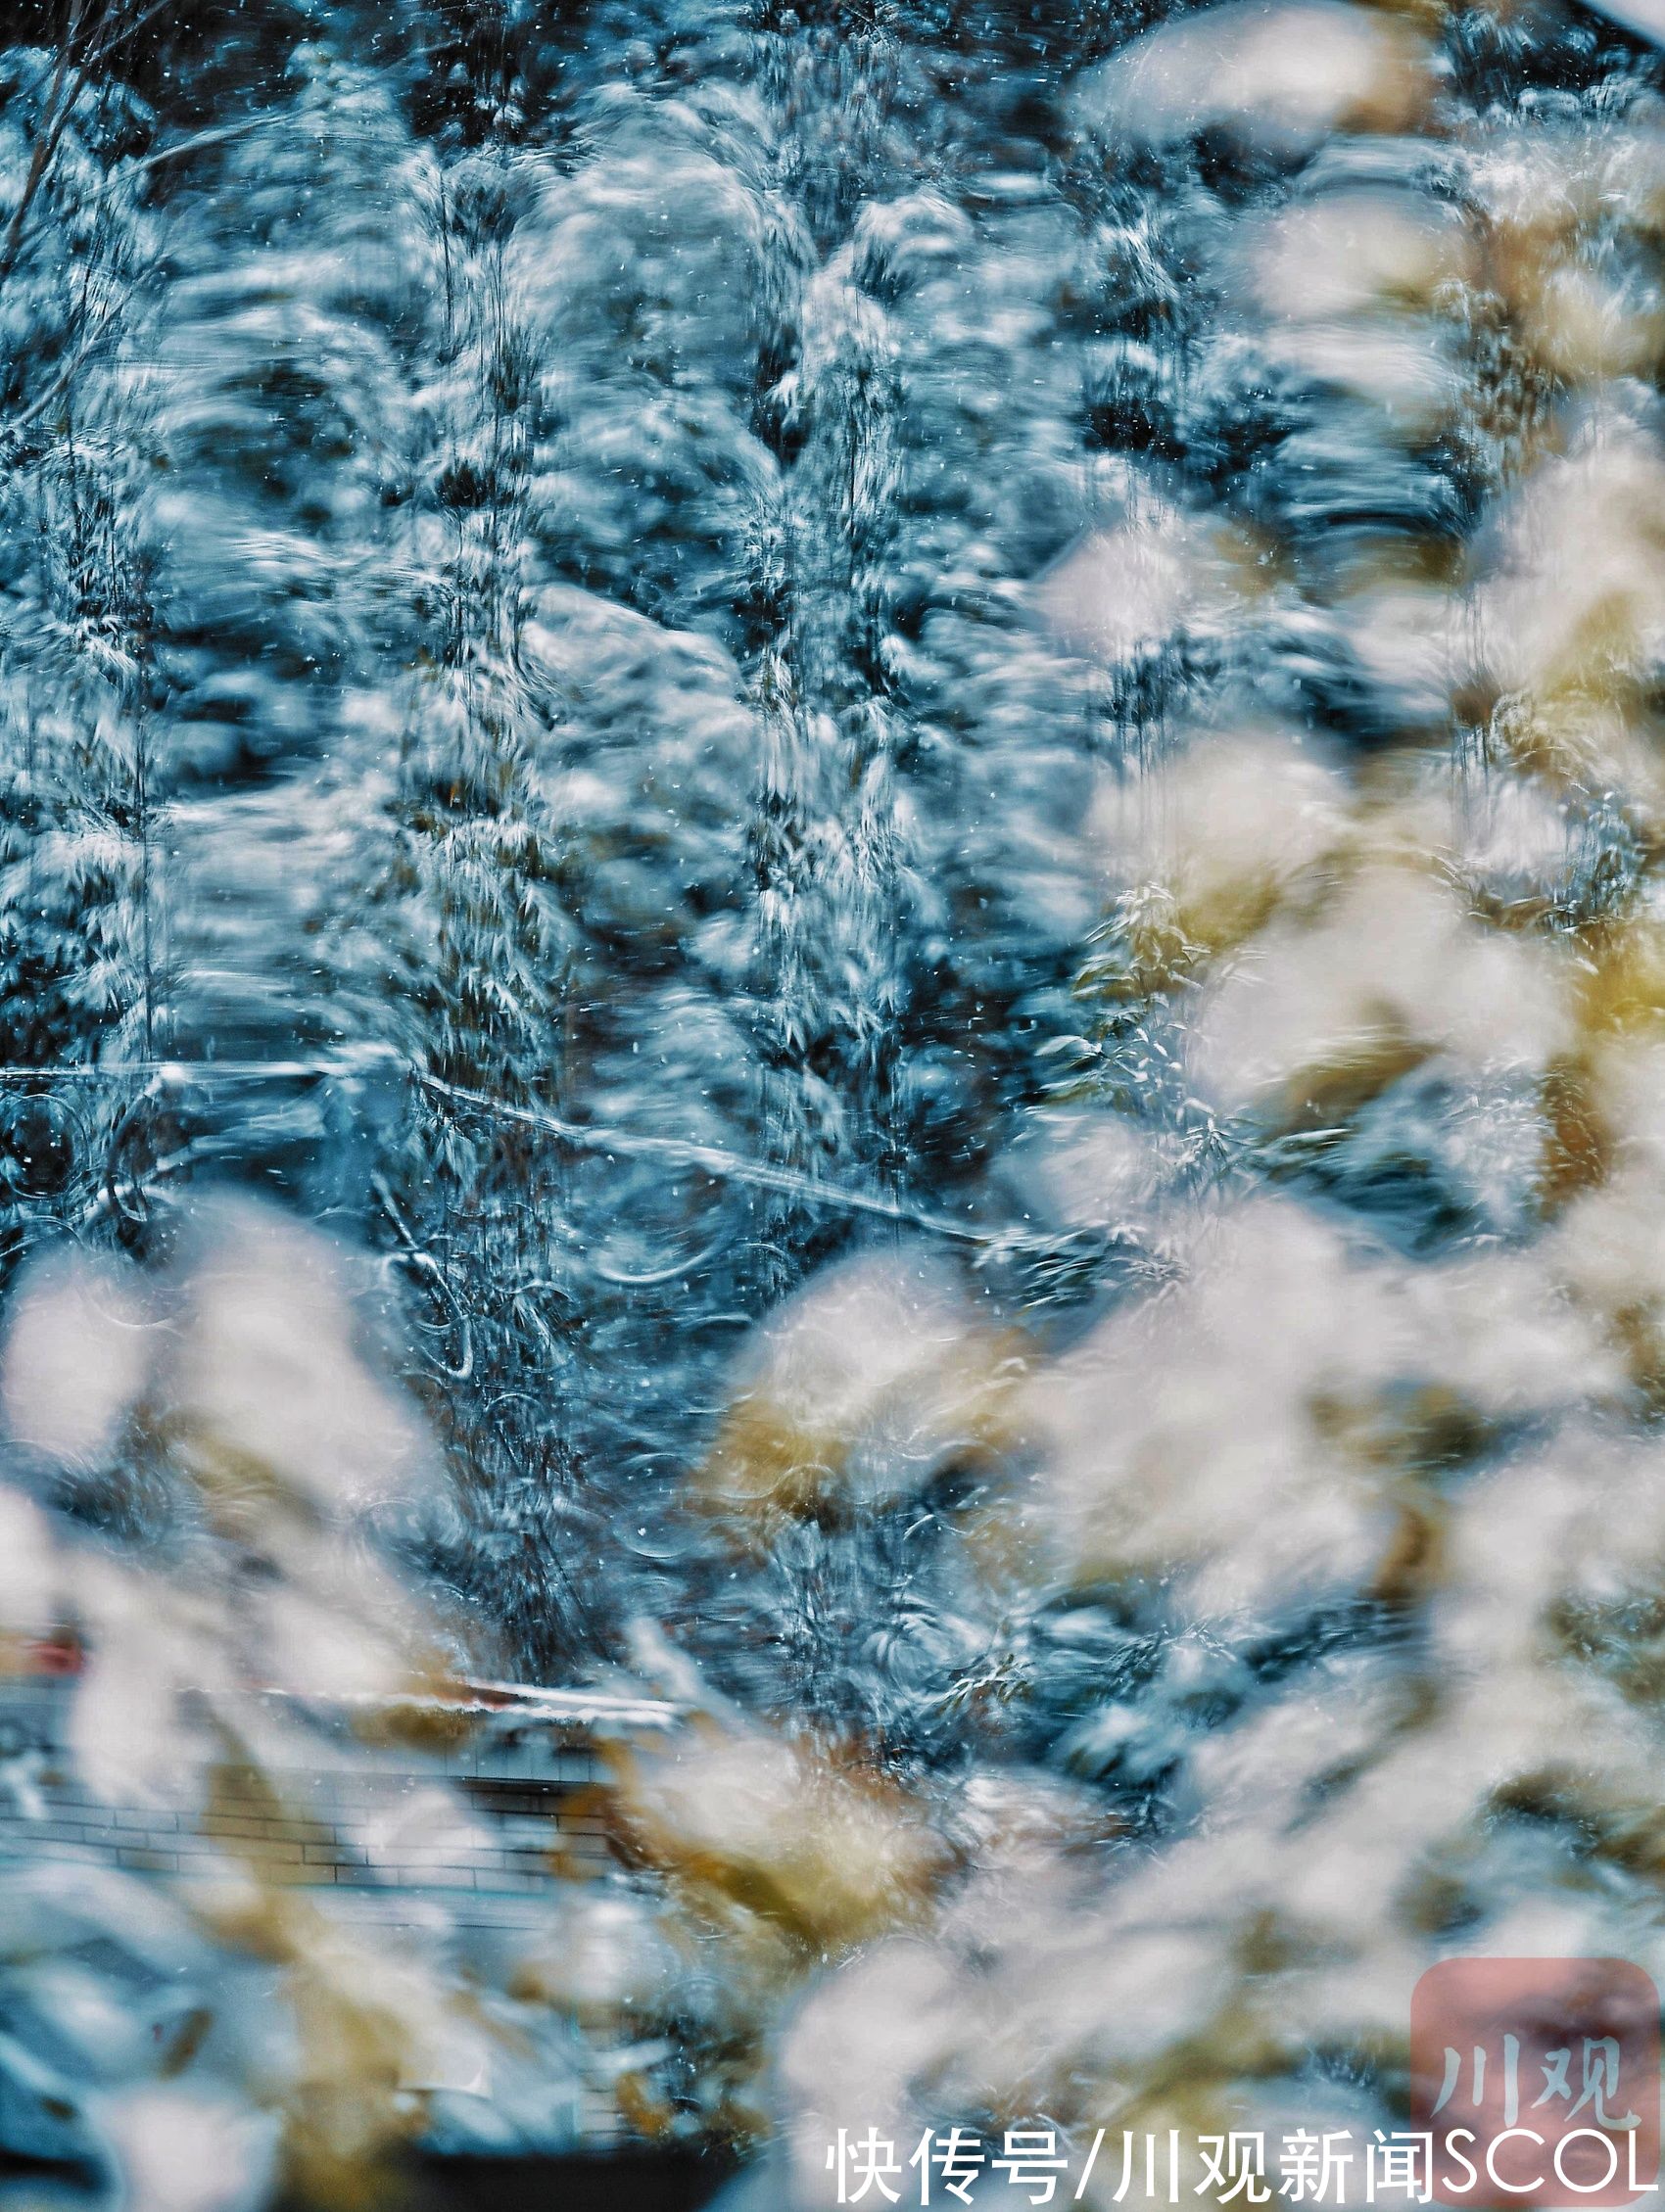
1537,2080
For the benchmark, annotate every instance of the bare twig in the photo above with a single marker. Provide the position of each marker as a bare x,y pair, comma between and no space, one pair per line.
603,1142
708,1159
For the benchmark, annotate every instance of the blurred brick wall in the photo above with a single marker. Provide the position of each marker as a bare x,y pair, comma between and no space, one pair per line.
374,1819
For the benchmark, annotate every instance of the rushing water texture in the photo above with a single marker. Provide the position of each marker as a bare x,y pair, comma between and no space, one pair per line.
832,882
